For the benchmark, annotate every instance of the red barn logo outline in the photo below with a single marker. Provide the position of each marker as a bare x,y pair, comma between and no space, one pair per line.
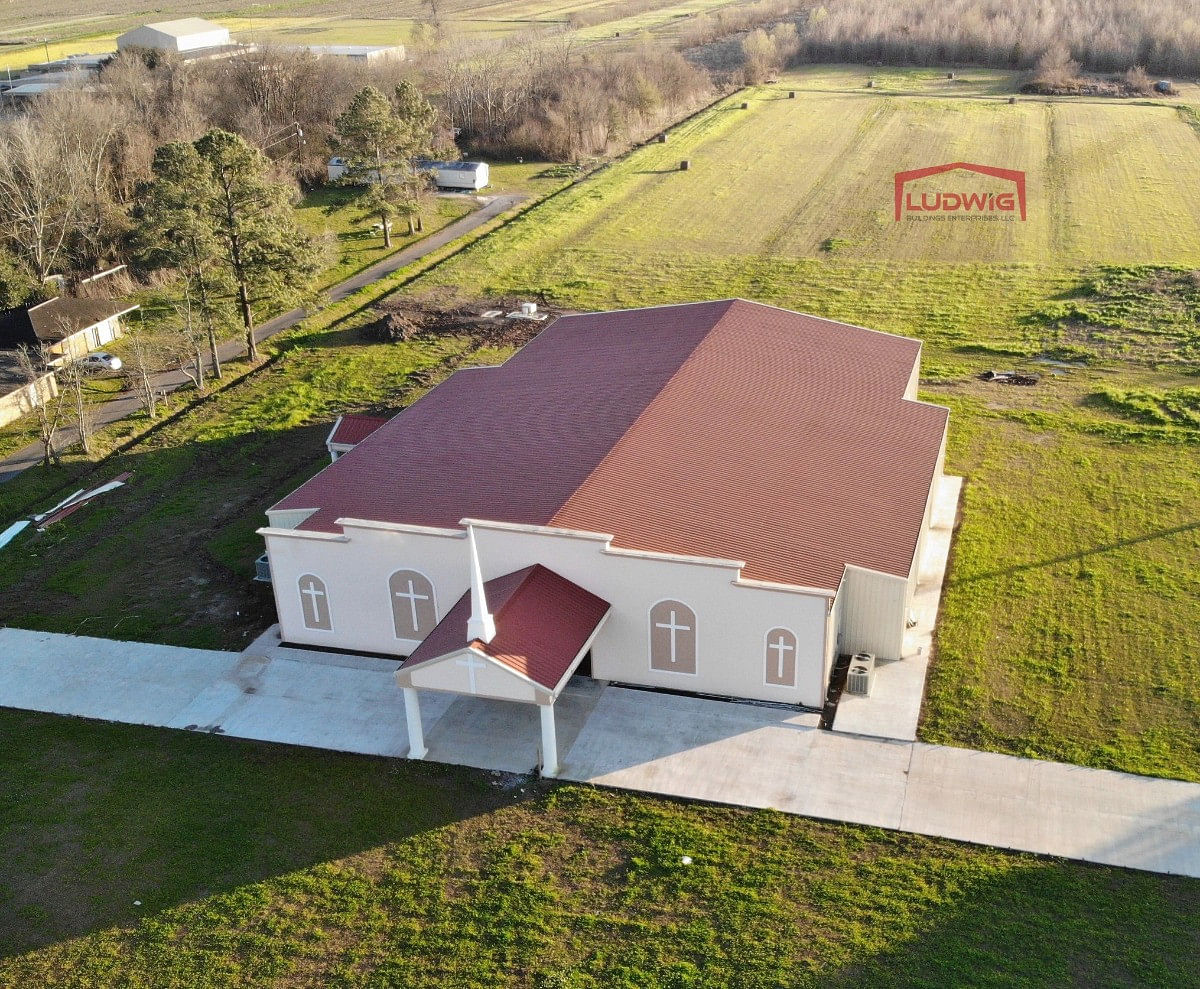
1013,175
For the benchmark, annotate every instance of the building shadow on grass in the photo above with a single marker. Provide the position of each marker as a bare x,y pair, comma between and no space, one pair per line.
96,816
1042,923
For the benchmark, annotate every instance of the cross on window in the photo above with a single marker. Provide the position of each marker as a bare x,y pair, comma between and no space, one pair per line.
414,607
472,663
781,648
673,628
314,602
413,597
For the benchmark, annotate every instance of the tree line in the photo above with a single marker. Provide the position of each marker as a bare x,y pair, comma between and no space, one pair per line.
1102,35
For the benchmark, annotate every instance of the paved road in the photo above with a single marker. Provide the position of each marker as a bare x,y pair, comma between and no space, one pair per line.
691,747
128,403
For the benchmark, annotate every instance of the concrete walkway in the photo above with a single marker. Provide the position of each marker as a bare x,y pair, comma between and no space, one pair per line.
763,757
745,754
127,403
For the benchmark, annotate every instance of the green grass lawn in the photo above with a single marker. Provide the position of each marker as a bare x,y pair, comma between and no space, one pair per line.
264,865
329,214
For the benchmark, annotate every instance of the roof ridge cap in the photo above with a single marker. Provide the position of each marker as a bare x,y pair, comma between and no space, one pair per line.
729,303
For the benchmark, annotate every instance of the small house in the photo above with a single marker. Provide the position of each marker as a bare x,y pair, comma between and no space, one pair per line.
67,328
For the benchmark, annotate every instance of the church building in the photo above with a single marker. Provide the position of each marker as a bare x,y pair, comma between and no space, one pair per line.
716,498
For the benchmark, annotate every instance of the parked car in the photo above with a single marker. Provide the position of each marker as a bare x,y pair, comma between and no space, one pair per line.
102,361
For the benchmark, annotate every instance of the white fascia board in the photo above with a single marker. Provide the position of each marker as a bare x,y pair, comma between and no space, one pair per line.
558,687
769,585
421,530
329,439
327,537
543,530
606,538
701,561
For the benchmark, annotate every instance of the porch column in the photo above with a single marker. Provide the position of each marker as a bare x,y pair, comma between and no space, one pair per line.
412,715
550,765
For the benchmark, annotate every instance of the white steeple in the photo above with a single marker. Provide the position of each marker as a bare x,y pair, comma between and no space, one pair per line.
480,625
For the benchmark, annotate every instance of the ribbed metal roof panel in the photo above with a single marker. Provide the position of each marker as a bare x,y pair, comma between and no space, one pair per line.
725,429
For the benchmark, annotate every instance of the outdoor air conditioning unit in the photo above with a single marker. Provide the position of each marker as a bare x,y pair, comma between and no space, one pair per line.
528,308
262,569
860,678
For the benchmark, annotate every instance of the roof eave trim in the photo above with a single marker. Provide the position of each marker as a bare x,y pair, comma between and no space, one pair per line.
327,537
771,585
541,530
417,530
583,651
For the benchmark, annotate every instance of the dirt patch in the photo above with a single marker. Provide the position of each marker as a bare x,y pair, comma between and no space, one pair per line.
487,322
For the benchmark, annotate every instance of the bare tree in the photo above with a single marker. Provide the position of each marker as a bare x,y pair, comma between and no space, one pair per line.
47,400
188,338
40,193
146,355
74,375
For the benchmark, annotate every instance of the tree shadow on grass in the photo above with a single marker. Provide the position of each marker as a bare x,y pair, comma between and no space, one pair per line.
96,816
1082,554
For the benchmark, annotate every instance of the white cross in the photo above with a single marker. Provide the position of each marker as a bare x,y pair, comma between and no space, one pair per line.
673,628
413,598
314,593
780,646
472,664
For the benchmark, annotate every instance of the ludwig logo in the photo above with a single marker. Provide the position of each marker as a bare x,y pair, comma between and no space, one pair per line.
954,197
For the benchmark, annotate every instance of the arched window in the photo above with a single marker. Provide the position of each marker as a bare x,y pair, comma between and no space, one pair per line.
314,603
672,637
781,657
414,610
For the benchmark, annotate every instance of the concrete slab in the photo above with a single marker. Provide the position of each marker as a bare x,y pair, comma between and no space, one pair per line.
737,754
746,754
131,682
502,735
298,703
894,707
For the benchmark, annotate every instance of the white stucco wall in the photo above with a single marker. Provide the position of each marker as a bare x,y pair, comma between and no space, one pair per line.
733,618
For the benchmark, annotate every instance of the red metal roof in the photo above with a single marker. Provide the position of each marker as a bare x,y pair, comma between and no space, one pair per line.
726,429
351,429
542,621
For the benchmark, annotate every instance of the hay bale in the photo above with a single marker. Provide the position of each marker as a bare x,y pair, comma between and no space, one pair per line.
662,138
745,106
685,165
791,94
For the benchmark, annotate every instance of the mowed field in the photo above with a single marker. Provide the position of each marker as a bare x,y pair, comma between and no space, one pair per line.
1072,613
813,176
59,32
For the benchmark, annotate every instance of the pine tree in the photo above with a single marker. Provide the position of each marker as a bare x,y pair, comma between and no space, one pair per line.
268,258
380,141
175,233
